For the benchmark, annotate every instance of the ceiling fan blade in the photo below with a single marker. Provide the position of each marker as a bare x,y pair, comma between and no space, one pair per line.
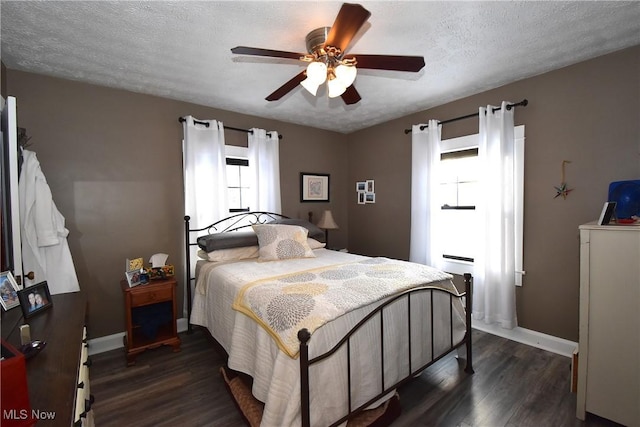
349,20
255,51
388,62
351,96
287,87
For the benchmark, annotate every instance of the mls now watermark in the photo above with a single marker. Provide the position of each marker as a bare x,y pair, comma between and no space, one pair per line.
24,414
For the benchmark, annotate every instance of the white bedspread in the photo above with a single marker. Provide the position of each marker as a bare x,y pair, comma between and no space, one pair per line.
276,375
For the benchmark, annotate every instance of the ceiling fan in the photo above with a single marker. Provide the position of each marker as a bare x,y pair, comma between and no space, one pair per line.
329,62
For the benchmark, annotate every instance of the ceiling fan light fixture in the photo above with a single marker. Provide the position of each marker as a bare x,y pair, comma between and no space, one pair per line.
346,74
317,72
327,59
310,86
336,87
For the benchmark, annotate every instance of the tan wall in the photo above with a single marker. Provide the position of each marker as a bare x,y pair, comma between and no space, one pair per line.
587,113
113,161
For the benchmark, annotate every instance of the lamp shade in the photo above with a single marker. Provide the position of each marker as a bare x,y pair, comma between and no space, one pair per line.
327,222
346,74
316,75
317,72
336,88
310,85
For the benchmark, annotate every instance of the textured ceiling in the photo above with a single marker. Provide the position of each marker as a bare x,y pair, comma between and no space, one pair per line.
181,50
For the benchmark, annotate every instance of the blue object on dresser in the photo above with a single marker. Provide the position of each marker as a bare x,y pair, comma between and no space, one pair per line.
626,194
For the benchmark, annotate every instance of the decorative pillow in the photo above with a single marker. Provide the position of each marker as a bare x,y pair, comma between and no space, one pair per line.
278,241
314,231
235,239
231,254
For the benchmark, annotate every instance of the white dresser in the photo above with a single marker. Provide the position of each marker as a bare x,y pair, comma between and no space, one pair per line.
609,348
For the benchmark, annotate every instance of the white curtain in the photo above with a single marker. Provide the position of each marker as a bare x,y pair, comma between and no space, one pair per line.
494,299
204,168
425,163
264,164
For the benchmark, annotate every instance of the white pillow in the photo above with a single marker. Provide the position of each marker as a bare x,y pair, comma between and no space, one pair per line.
315,244
231,254
280,241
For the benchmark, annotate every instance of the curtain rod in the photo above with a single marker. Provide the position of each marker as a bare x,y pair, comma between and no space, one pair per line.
523,103
182,119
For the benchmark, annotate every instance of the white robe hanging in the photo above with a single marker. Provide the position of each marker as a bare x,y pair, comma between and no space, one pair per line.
45,250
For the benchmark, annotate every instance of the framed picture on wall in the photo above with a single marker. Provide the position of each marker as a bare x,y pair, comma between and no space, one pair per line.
370,186
369,197
314,187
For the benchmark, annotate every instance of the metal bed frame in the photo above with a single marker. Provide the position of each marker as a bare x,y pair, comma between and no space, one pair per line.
246,219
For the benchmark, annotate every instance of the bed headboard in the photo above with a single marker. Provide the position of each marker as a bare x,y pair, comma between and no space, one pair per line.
237,222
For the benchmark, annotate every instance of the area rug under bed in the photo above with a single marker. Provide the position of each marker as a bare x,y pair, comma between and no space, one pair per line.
251,408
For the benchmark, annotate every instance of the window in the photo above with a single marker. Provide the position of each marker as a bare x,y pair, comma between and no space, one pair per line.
458,181
238,187
459,169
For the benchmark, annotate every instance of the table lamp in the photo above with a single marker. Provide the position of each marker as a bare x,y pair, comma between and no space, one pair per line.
327,223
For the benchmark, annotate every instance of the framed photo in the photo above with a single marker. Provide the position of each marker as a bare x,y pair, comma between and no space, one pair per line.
35,299
9,291
133,278
608,210
314,187
361,200
369,197
134,264
370,187
361,186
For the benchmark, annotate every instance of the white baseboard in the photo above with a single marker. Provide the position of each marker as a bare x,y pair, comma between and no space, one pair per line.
518,334
115,341
529,337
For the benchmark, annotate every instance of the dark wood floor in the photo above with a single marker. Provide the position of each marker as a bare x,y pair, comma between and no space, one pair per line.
514,385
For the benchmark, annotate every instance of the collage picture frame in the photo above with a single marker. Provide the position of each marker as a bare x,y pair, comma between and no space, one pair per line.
366,191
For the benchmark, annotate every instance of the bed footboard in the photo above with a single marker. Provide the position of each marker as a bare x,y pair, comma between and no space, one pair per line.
305,363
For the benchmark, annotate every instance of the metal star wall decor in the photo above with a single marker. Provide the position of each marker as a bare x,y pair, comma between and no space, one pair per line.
563,190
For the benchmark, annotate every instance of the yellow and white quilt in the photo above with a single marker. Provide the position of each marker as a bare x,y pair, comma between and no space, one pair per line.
286,303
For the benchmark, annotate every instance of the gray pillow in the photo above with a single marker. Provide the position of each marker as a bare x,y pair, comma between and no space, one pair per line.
236,239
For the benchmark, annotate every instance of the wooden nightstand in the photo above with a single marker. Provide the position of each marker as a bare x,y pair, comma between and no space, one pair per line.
150,312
